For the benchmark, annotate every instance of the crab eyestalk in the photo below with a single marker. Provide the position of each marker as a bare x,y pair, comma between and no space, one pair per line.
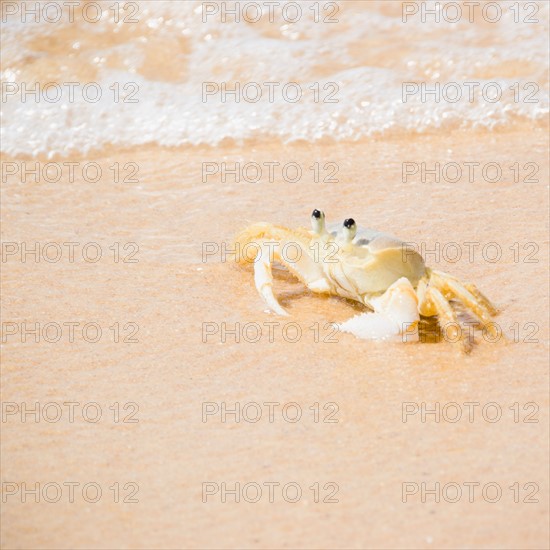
350,230
318,222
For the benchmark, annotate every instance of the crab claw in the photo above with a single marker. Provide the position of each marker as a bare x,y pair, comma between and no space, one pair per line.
395,314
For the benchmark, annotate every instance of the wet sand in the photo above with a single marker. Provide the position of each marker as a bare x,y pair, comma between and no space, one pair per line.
170,372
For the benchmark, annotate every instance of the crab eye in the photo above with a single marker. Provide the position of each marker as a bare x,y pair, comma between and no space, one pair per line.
349,223
316,214
318,222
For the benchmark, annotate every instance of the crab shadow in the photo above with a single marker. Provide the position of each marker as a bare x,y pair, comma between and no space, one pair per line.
290,289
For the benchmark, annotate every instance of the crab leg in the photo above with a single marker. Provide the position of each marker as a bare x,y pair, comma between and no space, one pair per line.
395,313
481,298
453,288
447,316
263,277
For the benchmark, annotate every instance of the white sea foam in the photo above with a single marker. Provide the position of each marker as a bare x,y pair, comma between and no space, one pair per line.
362,62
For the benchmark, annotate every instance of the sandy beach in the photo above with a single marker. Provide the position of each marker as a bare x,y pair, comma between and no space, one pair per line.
171,371
145,409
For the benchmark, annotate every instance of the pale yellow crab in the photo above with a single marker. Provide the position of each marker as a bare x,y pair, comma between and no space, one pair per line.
367,266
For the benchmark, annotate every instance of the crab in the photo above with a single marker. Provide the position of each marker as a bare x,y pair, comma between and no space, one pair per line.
367,266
